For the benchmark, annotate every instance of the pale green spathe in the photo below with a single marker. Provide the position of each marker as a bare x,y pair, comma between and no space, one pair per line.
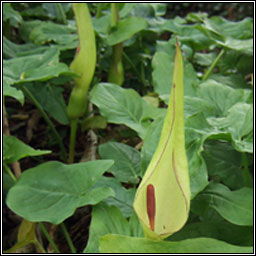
168,169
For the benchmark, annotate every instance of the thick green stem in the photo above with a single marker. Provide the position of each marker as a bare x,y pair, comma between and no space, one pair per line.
118,48
116,71
62,14
68,238
72,142
247,176
9,171
48,121
99,10
49,238
84,62
209,71
118,51
114,15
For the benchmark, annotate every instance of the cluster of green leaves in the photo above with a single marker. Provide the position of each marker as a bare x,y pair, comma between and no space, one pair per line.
218,106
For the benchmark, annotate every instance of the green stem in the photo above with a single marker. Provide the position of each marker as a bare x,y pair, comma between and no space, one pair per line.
68,238
131,63
246,172
72,143
48,121
62,14
114,15
134,68
49,238
9,171
99,9
209,71
40,246
117,53
143,80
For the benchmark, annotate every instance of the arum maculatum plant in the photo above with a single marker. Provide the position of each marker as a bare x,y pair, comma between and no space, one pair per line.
84,66
162,200
116,71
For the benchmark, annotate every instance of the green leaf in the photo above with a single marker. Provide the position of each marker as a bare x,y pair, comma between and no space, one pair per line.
105,220
235,206
153,100
102,25
127,161
38,67
240,125
224,164
26,28
221,97
48,32
51,99
234,62
14,149
188,34
124,244
26,236
52,10
151,12
243,46
236,29
125,29
10,14
197,168
162,74
196,16
135,226
195,105
162,199
167,47
160,8
8,182
109,220
162,65
123,198
150,143
245,64
220,230
224,28
231,35
53,191
13,92
204,59
126,9
12,50
35,11
235,81
94,122
123,106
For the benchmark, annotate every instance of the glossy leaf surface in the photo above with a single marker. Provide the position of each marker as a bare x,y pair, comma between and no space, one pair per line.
124,244
52,191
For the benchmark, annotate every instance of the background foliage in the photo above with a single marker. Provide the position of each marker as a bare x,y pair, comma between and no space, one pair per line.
122,126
